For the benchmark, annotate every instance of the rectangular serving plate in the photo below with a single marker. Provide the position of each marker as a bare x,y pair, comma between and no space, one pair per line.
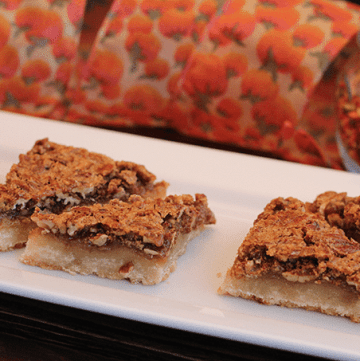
238,187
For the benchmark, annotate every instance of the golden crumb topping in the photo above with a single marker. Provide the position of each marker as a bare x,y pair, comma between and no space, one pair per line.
340,211
54,177
289,240
151,225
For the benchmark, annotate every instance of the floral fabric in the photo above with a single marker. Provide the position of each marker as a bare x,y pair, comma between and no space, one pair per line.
38,48
258,74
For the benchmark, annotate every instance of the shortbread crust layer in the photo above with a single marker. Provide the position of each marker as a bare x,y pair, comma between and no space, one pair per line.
117,263
323,297
14,232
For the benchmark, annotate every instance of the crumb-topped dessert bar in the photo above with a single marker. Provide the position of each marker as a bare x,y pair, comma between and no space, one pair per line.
293,257
56,177
139,240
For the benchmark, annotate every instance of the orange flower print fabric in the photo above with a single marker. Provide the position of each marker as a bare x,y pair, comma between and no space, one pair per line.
144,47
38,49
257,74
288,50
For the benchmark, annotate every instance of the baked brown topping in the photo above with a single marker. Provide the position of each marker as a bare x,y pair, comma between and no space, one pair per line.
150,225
289,240
340,211
54,177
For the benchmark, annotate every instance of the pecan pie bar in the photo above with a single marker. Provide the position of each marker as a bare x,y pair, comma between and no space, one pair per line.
55,177
293,257
139,240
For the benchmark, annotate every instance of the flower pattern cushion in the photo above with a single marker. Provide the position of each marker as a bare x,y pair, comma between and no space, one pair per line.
257,74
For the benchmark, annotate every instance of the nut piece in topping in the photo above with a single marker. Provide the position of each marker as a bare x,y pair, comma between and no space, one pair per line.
340,211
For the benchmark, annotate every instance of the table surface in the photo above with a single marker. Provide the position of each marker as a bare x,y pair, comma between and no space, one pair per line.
33,330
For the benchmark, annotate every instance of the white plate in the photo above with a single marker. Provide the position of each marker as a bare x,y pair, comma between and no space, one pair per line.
238,187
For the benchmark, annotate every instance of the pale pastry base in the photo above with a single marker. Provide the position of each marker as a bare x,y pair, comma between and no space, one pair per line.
119,262
276,290
14,233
